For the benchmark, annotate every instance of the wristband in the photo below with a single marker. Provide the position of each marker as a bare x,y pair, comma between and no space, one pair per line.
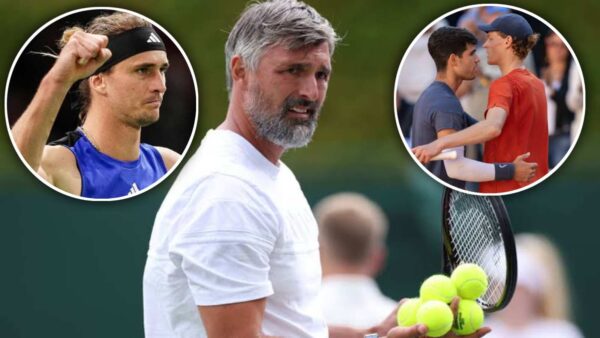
504,171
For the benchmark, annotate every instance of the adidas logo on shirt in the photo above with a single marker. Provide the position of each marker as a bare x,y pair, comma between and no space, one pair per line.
134,189
153,38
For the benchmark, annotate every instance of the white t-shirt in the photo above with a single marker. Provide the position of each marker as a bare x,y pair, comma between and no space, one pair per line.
542,328
234,227
355,301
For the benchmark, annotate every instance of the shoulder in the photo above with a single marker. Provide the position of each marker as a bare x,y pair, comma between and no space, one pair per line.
440,98
170,157
59,167
503,84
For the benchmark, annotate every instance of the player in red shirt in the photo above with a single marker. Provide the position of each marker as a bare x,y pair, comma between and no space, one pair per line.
516,117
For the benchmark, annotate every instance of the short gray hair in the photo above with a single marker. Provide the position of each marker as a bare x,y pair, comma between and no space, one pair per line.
290,23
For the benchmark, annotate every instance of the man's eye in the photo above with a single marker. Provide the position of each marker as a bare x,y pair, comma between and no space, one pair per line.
322,75
294,70
143,70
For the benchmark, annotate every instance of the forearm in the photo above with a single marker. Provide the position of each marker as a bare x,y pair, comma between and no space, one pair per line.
345,332
466,169
32,129
478,133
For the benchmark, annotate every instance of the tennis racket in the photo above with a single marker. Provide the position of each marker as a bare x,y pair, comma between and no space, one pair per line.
476,229
445,155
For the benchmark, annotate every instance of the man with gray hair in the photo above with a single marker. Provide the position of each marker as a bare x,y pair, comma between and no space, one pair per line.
234,251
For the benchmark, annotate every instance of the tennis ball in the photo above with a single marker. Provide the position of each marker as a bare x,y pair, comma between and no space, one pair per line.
407,313
438,287
470,280
469,317
437,316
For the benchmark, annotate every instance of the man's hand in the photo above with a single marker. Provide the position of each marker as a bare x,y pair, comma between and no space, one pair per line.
524,171
478,334
415,331
83,54
425,152
388,327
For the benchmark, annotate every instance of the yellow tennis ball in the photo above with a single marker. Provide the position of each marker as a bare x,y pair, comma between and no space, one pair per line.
470,280
407,313
437,316
438,287
469,317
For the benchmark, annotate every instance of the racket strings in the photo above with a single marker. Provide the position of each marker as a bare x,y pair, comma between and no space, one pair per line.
476,238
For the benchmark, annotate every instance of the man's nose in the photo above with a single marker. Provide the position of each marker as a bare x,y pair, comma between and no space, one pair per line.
309,88
158,82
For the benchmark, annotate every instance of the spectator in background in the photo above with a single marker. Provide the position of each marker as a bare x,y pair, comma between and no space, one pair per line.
555,75
482,15
575,99
352,231
417,73
541,305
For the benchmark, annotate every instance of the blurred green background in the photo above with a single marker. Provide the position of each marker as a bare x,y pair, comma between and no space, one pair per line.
74,269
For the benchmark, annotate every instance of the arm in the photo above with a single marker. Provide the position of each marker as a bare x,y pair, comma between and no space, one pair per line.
169,156
480,132
466,169
234,320
244,320
32,129
469,170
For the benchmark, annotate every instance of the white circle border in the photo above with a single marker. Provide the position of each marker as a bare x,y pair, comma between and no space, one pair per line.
189,143
551,172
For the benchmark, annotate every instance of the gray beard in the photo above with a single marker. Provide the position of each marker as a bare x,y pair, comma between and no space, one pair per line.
273,125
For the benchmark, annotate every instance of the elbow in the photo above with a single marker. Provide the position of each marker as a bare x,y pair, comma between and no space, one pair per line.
452,169
493,131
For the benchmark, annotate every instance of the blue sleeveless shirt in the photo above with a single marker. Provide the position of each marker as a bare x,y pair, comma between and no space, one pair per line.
105,177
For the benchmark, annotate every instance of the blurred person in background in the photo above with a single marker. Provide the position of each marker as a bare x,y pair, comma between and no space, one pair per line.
417,73
541,304
555,75
575,99
352,232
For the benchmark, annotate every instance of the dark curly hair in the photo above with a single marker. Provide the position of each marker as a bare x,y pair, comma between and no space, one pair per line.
446,41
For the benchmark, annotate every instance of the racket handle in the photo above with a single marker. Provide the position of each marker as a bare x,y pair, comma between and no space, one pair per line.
445,155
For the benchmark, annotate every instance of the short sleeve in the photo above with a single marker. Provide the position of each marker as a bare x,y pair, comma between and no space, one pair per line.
225,243
448,119
500,94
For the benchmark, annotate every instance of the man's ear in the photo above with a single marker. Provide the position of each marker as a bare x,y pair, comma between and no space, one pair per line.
508,41
97,83
238,68
452,60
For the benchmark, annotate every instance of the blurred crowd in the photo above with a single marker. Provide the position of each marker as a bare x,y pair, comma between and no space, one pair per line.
550,60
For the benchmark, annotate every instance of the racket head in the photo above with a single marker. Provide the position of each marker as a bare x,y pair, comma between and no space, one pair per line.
476,229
